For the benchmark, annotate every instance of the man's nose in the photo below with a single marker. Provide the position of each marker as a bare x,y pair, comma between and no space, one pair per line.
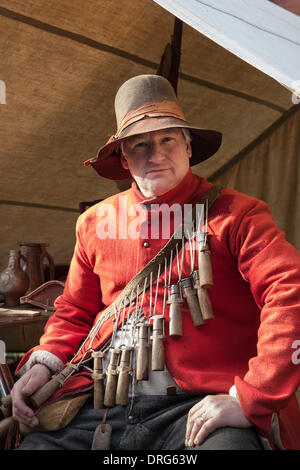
156,153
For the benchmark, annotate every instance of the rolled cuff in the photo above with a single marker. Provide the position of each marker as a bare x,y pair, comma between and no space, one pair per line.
46,358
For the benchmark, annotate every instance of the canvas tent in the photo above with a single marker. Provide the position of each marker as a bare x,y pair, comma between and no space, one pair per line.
61,63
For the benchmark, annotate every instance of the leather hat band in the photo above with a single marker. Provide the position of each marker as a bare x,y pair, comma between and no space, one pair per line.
153,109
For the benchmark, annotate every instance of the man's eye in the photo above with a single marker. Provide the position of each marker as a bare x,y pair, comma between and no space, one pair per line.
167,139
140,145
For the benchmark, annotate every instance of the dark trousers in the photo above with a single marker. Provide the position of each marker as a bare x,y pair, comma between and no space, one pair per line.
150,423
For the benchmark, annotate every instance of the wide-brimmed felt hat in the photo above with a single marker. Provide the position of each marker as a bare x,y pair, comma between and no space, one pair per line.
148,103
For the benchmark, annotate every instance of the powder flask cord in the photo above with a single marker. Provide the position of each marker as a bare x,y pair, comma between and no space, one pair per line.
111,379
125,371
142,362
190,294
175,315
98,377
57,381
158,349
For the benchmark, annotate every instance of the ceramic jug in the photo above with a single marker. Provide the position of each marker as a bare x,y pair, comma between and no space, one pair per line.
34,255
14,281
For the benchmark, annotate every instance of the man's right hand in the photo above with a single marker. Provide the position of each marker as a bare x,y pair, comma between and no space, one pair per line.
31,381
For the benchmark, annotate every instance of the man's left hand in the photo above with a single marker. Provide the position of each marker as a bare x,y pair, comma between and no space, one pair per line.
214,411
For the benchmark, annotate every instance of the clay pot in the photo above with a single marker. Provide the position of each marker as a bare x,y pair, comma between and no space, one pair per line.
33,255
14,281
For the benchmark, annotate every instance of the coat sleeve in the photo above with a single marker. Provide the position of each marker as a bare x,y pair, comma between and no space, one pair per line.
76,308
272,267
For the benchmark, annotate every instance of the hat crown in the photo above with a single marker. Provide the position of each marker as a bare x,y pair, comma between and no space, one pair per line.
140,90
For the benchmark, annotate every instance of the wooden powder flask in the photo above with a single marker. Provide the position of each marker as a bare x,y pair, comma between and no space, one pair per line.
205,304
158,348
98,377
203,297
125,372
175,315
112,379
190,294
204,267
204,281
57,381
142,361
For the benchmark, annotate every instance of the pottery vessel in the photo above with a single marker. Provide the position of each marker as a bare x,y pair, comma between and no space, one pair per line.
33,257
14,281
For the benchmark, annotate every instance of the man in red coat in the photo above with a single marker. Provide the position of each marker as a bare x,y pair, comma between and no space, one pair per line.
234,376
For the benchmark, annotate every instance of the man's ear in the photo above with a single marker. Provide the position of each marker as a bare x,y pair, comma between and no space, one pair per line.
189,149
124,162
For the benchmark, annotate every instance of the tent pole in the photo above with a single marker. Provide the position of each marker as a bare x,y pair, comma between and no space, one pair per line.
170,60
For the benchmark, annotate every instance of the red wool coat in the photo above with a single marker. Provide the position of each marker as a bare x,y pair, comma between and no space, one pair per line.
255,297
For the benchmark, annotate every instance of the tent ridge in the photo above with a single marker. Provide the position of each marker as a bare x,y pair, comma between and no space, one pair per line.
242,153
39,206
75,37
229,91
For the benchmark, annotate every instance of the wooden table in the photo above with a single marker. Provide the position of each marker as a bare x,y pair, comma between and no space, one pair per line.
21,332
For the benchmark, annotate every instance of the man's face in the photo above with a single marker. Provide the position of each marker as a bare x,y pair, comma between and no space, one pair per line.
157,160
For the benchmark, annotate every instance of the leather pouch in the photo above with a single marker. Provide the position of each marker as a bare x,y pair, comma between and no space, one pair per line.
57,412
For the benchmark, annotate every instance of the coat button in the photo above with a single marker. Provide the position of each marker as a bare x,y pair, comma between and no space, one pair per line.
146,244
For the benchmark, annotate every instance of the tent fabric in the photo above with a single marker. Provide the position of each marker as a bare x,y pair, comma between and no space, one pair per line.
269,171
243,28
61,63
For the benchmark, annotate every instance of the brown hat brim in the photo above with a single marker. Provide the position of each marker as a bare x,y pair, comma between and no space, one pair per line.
107,163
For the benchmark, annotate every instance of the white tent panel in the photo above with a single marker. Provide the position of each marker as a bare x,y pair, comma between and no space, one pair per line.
258,31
